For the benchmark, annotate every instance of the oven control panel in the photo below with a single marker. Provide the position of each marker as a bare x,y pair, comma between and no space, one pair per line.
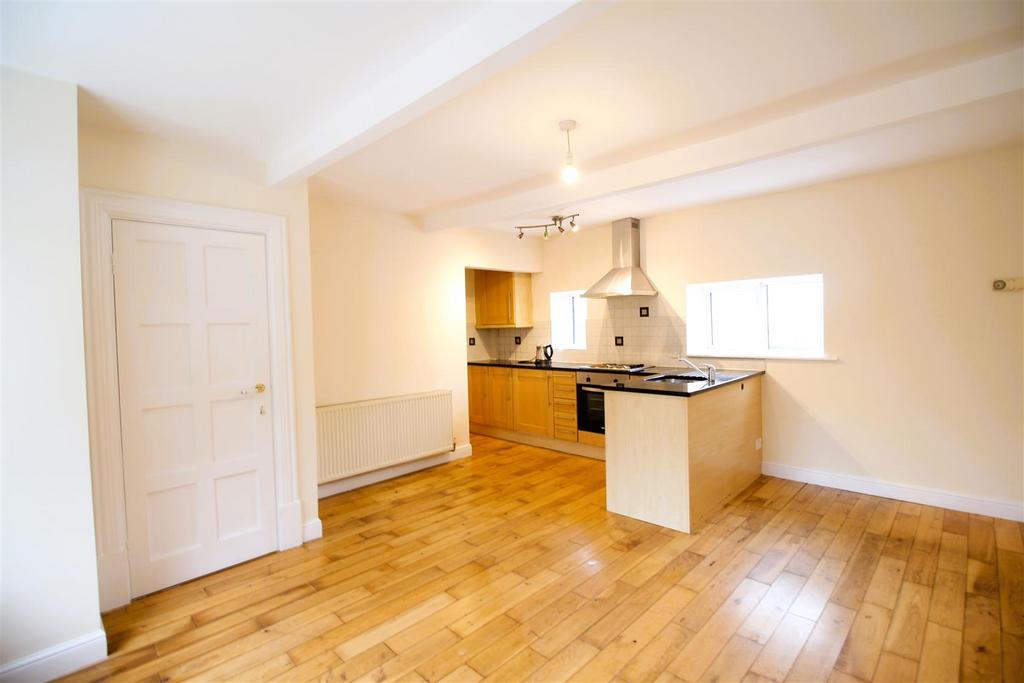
599,378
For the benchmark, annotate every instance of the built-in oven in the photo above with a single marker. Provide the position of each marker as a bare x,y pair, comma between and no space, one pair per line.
590,399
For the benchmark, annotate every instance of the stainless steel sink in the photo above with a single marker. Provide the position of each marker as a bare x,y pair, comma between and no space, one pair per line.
676,379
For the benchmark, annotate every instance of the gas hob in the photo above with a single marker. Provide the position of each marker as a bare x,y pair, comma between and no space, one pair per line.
623,367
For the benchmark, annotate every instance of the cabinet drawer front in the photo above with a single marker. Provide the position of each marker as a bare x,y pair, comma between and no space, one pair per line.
564,411
565,423
565,394
566,378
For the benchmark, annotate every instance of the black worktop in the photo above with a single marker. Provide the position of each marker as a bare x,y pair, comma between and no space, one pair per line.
614,380
547,365
683,389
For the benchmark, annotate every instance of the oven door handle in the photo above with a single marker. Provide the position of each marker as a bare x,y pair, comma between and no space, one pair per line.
592,389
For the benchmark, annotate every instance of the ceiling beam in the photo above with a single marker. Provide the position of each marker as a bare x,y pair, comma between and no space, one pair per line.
937,91
494,37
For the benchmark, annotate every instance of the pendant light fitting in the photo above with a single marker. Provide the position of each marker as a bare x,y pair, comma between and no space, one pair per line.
569,171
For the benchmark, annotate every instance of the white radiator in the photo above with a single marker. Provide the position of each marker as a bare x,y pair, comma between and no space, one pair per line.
358,437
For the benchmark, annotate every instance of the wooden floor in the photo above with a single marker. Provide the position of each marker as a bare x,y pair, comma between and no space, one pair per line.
505,566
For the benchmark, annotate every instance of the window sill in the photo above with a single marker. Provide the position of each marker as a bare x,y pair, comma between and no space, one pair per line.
776,356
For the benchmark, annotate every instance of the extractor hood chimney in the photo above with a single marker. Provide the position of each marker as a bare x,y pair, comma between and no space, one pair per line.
625,278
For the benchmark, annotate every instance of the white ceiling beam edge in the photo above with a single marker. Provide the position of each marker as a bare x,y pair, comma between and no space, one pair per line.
934,92
496,36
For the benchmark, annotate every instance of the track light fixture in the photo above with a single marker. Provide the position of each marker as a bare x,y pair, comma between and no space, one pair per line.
556,222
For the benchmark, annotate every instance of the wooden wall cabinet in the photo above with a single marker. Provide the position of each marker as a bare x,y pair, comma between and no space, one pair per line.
532,395
503,299
490,396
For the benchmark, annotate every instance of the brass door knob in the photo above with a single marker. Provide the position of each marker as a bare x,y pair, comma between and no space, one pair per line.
260,388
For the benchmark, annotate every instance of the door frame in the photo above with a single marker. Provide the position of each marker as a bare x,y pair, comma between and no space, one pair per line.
99,208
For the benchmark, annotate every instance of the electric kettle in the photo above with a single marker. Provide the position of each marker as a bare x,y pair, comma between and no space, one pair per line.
544,353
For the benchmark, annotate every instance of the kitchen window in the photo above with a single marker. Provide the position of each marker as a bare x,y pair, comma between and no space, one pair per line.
780,317
568,320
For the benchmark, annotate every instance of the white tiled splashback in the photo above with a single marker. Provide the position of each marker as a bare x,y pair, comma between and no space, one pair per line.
656,340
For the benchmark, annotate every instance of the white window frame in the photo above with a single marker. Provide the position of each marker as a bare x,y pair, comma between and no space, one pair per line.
699,323
578,305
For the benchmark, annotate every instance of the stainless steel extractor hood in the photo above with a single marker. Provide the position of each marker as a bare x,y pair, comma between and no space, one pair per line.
625,278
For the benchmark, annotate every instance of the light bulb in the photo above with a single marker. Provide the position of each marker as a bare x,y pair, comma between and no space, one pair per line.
569,172
575,228
545,232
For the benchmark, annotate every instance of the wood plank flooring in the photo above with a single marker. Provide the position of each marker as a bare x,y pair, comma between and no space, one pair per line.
506,567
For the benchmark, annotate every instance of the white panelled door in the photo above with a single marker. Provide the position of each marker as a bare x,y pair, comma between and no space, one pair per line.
193,351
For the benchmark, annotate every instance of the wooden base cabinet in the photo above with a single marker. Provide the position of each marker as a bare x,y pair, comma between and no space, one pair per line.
533,400
478,394
490,396
541,402
499,398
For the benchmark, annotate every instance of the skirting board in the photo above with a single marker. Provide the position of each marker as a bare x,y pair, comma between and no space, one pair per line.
332,488
59,660
912,494
289,525
570,447
312,529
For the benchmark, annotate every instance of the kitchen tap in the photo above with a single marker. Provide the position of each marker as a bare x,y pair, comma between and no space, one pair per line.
710,372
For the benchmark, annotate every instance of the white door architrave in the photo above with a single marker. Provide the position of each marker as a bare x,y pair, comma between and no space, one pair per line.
100,209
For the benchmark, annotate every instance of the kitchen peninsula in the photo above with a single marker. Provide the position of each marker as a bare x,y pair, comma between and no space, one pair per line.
676,446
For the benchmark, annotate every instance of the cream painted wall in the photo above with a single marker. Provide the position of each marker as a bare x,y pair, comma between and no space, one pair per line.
142,165
50,595
389,302
928,390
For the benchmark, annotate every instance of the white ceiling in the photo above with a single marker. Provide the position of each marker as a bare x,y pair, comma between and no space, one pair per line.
639,75
448,111
989,123
244,77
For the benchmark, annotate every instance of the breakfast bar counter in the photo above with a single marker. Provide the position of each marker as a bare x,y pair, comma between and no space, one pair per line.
672,458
